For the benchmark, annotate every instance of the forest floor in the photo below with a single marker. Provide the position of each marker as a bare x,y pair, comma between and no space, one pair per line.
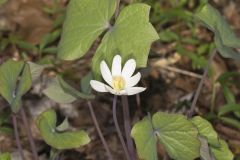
171,77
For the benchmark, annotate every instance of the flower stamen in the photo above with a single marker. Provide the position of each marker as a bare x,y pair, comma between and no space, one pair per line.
118,83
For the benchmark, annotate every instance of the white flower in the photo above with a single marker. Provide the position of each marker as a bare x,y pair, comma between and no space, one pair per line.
120,81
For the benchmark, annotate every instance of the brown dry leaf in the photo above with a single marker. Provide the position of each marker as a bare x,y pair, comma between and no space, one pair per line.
32,22
6,143
232,13
219,67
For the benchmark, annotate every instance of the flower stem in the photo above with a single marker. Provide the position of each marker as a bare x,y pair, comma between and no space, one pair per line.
138,100
99,131
127,126
29,134
118,128
15,126
193,105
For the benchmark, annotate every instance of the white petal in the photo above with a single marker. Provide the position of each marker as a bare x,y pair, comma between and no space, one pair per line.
122,92
134,90
116,65
109,89
106,74
98,86
129,68
132,81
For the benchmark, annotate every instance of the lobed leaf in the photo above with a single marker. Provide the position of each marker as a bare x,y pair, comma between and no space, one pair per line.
46,123
145,139
55,92
174,132
70,90
130,37
206,130
222,153
85,21
225,39
15,81
85,83
62,92
35,70
178,135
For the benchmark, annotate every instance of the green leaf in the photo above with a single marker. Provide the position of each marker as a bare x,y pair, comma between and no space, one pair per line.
63,126
85,83
6,130
15,81
225,77
228,108
145,139
3,43
4,116
197,61
206,130
55,92
25,45
85,21
50,50
168,36
178,135
174,132
46,123
2,2
48,39
5,156
225,81
36,70
69,89
225,40
62,92
222,153
130,37
230,121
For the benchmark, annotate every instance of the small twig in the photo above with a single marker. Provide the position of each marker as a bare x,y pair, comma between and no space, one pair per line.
15,127
213,98
118,128
191,111
180,71
117,9
99,131
127,126
29,134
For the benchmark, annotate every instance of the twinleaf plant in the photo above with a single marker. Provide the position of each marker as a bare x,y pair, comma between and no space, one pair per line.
214,148
123,35
130,36
173,131
225,39
15,81
58,136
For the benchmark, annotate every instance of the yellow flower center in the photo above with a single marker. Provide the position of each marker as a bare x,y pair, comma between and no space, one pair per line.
118,83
